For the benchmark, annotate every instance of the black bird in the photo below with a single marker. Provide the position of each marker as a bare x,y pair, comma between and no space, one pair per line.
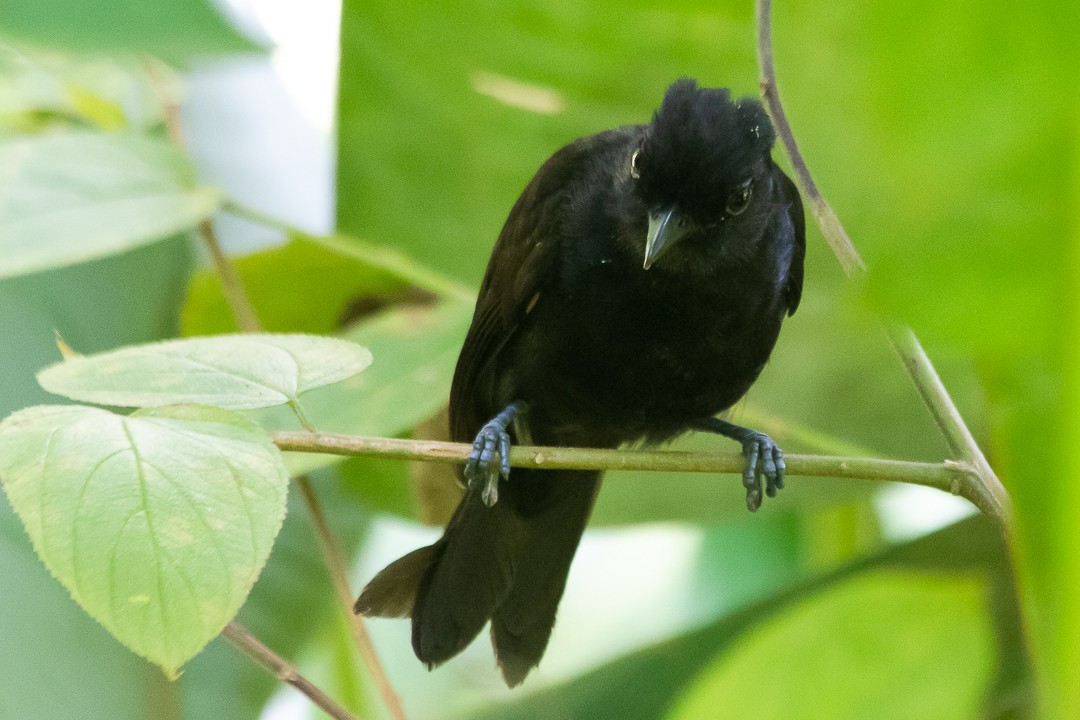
636,290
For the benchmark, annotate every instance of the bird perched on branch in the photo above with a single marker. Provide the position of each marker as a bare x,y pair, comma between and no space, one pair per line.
636,291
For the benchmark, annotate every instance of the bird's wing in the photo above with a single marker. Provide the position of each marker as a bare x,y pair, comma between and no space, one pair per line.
788,192
521,262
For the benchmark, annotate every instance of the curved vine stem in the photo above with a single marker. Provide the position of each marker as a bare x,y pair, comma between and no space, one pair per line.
981,486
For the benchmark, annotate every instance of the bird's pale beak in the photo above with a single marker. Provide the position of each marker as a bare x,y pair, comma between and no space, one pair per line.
664,231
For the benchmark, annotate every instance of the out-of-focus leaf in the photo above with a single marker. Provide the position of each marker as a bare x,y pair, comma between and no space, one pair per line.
890,644
64,660
414,349
176,29
158,523
298,287
381,484
237,372
392,261
109,92
75,196
645,684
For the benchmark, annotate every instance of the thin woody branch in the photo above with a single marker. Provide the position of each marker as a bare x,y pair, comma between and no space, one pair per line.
954,477
239,636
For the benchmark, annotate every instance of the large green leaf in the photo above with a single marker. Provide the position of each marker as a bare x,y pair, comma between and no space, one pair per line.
301,286
179,28
907,646
69,197
157,524
64,658
238,372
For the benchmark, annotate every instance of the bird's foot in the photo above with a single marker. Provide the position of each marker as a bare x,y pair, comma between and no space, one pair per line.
490,457
764,459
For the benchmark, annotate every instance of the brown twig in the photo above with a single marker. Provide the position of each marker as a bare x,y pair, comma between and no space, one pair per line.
231,285
247,320
953,477
339,573
240,637
981,486
235,293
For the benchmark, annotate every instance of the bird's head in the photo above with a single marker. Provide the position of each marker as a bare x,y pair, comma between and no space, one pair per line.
701,161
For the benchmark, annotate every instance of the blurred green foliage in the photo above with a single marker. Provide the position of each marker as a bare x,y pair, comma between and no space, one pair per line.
944,136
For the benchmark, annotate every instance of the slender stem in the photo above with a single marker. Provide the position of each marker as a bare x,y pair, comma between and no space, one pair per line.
239,636
335,562
948,419
823,213
982,486
170,109
950,476
247,320
298,411
235,294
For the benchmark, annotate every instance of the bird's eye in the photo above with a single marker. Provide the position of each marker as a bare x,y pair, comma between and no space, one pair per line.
739,200
634,171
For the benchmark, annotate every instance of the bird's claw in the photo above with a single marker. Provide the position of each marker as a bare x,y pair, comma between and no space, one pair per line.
489,461
764,459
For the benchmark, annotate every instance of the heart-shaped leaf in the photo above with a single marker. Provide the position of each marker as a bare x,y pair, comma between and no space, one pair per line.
157,524
237,372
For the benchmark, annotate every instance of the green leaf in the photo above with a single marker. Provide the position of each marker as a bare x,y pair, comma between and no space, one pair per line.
415,350
178,28
157,524
889,645
237,372
382,485
76,196
298,287
38,84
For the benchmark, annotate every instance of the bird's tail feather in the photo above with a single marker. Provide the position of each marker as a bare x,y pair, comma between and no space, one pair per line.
507,563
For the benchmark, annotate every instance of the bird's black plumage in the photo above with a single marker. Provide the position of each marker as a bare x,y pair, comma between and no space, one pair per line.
636,290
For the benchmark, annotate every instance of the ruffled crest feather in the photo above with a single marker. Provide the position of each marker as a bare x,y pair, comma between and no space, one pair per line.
699,146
